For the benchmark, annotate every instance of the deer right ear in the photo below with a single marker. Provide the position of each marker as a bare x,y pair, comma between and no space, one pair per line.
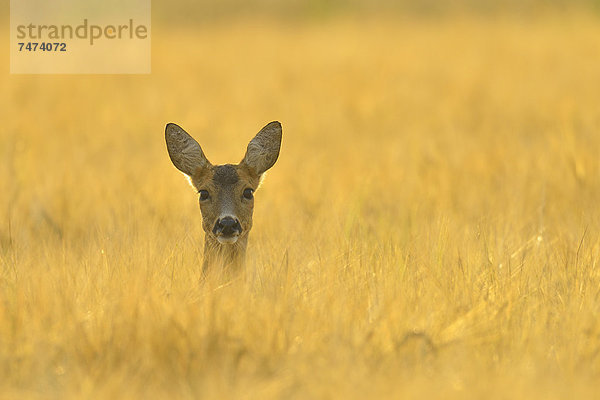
185,153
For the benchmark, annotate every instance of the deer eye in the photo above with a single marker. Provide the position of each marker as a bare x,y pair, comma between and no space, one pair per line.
248,193
203,195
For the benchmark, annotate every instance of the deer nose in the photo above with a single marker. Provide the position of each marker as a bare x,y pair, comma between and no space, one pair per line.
227,226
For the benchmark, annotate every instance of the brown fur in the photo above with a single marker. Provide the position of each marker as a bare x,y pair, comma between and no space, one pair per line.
225,185
220,191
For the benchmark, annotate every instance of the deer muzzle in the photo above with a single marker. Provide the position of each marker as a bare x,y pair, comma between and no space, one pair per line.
227,229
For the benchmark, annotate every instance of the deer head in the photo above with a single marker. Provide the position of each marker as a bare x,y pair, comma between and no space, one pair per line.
226,192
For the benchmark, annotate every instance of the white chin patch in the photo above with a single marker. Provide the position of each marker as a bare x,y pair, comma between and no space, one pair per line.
227,240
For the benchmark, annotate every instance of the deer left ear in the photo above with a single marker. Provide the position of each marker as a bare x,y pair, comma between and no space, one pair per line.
263,150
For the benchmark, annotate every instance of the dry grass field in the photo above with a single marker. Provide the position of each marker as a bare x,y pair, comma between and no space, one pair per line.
431,229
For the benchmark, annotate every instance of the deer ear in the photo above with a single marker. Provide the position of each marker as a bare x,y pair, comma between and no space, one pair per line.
263,150
185,153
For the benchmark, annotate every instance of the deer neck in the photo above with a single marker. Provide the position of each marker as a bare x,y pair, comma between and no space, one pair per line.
224,255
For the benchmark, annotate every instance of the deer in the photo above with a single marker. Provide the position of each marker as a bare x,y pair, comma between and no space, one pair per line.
225,192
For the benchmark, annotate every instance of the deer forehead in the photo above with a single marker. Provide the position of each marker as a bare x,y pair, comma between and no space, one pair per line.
225,176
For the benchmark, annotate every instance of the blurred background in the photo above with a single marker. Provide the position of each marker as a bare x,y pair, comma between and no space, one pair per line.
433,215
296,9
428,93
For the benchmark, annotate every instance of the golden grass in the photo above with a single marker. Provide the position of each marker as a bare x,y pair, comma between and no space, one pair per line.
431,229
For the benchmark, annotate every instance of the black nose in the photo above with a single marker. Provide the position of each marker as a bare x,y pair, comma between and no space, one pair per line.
227,227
